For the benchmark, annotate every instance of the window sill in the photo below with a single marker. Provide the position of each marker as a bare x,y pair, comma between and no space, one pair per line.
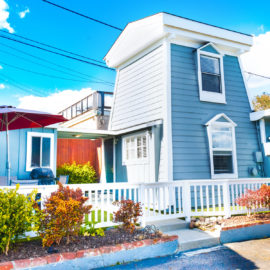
135,162
212,97
225,176
29,169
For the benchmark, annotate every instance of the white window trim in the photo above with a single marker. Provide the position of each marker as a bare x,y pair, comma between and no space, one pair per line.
136,160
29,149
232,125
206,95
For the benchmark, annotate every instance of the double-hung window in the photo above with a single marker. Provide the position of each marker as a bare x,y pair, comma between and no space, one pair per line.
211,76
40,150
135,148
222,148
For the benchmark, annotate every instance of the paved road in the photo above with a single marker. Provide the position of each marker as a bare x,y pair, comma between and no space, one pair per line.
245,255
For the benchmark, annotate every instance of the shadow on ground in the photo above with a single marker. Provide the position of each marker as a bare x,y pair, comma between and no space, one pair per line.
218,258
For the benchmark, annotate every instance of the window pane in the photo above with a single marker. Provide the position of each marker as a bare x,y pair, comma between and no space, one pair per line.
132,148
46,152
211,83
35,158
144,147
210,65
139,147
223,162
222,139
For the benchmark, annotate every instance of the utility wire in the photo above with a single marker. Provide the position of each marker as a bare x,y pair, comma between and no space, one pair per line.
53,47
82,15
58,65
61,54
262,76
39,73
48,67
17,85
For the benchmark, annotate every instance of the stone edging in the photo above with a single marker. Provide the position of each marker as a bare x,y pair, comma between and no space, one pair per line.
65,256
227,228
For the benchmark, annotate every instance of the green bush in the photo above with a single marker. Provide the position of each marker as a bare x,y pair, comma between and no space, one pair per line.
78,173
17,216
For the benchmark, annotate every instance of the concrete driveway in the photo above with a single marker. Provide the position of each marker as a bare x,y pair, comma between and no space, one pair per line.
253,254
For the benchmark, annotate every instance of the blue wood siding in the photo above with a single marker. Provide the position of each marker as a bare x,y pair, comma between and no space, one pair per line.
18,149
189,115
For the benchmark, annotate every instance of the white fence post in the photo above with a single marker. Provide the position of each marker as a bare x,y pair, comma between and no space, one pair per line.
187,200
141,191
226,199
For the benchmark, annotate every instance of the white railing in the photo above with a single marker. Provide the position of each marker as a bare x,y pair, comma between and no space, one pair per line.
161,201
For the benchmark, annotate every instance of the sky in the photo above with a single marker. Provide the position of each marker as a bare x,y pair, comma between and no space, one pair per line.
36,79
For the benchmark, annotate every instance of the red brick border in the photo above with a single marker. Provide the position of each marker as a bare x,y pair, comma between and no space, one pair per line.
59,257
227,228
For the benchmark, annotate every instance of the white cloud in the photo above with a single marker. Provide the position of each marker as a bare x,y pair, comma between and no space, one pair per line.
257,61
55,102
23,13
261,28
1,67
4,14
2,86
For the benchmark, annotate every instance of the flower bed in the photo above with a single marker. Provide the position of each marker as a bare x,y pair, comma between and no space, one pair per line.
97,257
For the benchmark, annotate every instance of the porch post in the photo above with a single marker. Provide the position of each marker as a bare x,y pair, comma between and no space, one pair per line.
7,153
187,200
103,169
226,198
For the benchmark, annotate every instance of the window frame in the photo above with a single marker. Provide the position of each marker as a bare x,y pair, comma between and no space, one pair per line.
30,135
204,94
136,160
232,125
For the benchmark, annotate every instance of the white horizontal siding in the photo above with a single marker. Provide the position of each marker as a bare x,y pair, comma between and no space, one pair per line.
139,92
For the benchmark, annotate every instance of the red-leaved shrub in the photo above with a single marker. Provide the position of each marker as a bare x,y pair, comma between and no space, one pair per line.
128,214
62,215
251,200
265,195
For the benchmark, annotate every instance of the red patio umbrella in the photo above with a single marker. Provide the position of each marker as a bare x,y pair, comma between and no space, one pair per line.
13,118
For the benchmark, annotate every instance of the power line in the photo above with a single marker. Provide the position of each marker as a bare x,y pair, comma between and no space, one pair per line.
53,47
20,86
262,76
58,65
82,15
48,67
61,54
39,73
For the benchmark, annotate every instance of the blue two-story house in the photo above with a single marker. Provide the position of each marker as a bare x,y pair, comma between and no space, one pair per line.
181,108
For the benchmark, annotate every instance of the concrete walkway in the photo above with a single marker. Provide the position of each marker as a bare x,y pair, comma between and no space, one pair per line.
254,254
188,239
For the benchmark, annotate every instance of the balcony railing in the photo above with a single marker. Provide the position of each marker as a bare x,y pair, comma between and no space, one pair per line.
99,101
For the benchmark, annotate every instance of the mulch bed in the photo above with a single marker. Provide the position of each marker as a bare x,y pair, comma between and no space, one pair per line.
244,220
213,223
33,249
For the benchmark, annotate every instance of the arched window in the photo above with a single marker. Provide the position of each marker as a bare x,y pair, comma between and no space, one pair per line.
222,147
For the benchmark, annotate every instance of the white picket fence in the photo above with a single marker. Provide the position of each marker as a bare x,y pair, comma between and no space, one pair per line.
161,201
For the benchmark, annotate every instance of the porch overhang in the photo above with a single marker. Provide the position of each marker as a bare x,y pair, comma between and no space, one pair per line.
79,133
255,116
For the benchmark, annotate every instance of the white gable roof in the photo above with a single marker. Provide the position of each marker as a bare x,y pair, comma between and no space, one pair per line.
141,34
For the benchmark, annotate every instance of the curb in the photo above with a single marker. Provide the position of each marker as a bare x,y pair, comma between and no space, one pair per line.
100,255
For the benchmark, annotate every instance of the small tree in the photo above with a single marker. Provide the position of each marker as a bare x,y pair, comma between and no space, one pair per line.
17,216
63,215
128,214
265,195
262,102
